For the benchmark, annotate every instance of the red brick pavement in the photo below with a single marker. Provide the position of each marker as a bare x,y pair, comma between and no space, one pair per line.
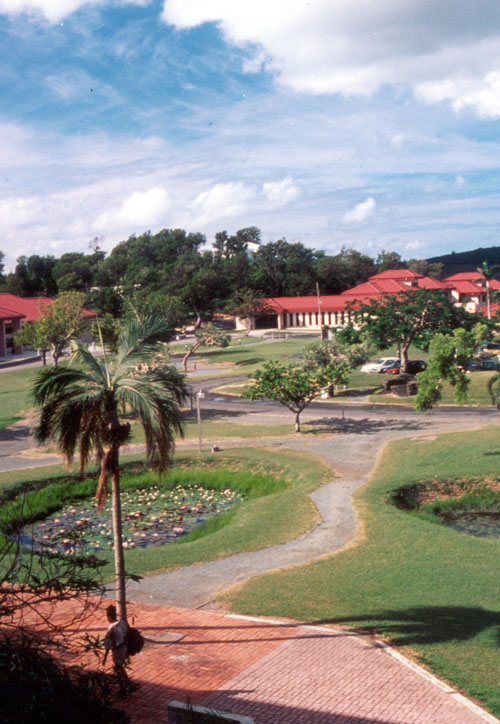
277,673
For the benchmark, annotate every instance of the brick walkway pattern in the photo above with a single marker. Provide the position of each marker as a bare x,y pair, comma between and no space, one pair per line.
279,673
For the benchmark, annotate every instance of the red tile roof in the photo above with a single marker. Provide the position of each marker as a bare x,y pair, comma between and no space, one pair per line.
396,274
391,281
8,314
29,307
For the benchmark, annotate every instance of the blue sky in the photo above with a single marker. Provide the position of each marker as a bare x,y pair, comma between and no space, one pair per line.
335,122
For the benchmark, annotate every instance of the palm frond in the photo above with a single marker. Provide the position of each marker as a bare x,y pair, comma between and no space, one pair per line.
81,355
155,397
140,340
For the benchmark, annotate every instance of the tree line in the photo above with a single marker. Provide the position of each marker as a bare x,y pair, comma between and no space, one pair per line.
176,267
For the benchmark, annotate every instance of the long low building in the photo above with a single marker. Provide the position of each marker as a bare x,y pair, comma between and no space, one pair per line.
337,310
15,311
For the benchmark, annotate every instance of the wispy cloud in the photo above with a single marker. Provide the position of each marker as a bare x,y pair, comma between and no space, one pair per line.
55,10
360,212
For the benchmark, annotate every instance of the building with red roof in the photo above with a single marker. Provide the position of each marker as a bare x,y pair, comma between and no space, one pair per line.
10,323
313,312
15,311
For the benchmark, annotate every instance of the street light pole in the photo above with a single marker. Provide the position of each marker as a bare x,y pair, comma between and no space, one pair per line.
200,395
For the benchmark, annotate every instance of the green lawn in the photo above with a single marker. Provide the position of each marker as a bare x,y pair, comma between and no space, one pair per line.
211,430
246,357
422,585
14,388
258,523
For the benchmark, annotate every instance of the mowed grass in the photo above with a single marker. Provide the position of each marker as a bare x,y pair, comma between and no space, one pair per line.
429,589
270,519
211,430
246,357
14,394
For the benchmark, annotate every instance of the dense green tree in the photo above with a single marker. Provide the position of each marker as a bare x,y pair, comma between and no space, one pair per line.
82,405
412,317
284,269
388,260
343,271
434,270
76,271
448,361
32,277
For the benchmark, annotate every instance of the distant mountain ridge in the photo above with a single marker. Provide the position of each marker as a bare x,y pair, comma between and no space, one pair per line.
467,260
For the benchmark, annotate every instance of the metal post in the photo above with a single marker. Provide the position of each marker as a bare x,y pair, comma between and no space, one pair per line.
200,395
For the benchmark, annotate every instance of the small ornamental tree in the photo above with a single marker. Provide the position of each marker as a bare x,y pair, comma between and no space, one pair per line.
32,334
206,336
336,351
295,386
412,317
449,357
246,305
61,321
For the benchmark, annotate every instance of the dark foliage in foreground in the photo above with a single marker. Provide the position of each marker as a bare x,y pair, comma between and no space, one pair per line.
35,687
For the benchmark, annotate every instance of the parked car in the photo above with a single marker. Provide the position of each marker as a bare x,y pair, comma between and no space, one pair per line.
489,349
483,364
413,368
379,365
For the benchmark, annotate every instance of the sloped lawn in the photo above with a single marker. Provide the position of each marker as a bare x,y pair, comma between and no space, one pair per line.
428,588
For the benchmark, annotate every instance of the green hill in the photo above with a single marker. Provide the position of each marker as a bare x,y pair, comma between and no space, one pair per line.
467,260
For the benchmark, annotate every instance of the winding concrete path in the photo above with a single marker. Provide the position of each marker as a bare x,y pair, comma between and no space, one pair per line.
351,451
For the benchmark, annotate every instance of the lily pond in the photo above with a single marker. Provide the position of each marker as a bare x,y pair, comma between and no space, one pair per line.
470,505
151,516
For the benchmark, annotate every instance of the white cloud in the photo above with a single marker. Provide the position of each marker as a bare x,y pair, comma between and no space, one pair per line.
479,94
54,10
280,193
221,201
141,209
447,50
360,212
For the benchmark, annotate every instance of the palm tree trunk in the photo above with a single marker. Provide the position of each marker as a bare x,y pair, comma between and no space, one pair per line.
120,584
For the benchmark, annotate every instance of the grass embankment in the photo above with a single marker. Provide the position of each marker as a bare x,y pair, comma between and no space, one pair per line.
14,395
424,586
278,507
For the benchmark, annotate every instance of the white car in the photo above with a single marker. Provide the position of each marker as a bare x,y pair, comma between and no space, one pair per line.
380,364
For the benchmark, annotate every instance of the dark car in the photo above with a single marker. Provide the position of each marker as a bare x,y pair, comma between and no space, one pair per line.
491,364
414,366
476,364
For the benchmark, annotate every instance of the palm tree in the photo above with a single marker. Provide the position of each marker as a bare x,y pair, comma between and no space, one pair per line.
487,273
82,404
